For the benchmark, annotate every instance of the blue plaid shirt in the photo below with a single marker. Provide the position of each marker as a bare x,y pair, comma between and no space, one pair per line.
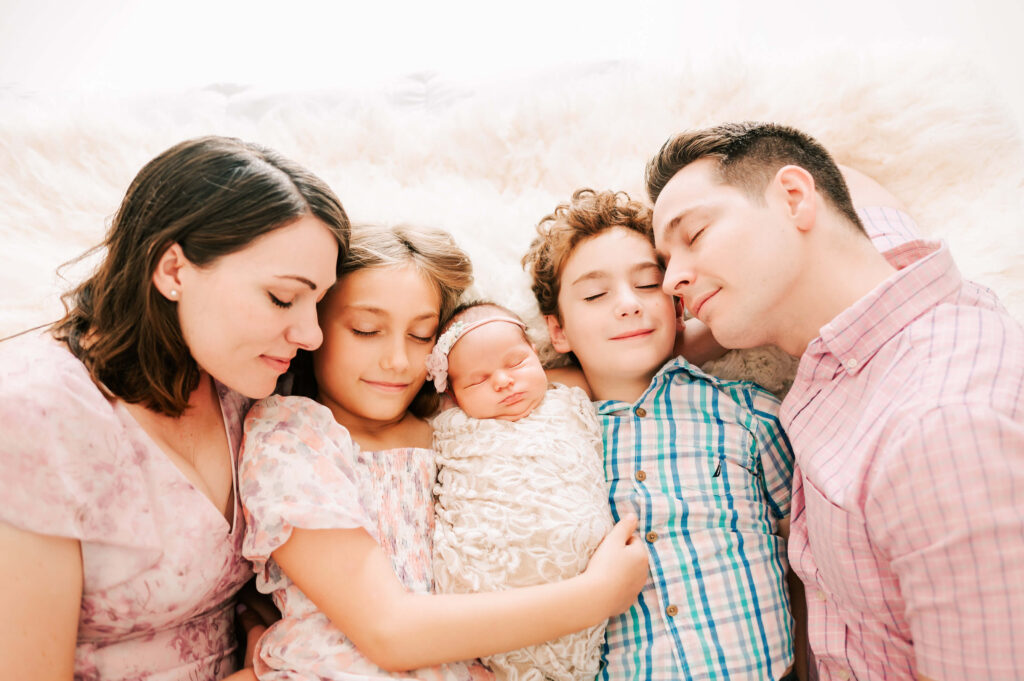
705,465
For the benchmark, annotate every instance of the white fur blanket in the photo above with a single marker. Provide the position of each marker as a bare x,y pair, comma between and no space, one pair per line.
488,162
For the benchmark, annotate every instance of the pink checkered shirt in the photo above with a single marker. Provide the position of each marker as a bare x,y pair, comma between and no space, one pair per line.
907,420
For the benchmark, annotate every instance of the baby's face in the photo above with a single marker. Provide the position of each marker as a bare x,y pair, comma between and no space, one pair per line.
495,373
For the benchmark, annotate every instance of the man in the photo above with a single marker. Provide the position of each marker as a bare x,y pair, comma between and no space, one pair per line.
906,415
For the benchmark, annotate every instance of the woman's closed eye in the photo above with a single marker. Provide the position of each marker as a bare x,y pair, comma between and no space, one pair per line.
277,301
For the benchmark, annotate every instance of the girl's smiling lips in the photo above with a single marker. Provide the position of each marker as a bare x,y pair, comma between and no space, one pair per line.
387,386
633,334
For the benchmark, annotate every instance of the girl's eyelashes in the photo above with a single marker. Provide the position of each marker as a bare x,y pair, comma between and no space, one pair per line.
421,339
360,332
277,301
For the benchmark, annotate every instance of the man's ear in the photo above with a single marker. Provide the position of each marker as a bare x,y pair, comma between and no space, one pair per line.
558,340
167,275
794,187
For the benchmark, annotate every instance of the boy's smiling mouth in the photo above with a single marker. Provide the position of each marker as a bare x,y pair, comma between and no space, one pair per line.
635,333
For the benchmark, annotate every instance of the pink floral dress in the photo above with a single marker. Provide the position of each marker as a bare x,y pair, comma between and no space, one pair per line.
300,468
161,565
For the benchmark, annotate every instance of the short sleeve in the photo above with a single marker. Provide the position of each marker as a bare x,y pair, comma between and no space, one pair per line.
946,506
67,468
773,450
297,470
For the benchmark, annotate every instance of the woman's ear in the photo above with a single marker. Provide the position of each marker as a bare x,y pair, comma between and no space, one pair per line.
558,340
167,275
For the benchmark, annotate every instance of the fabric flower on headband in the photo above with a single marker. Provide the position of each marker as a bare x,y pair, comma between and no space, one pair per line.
437,360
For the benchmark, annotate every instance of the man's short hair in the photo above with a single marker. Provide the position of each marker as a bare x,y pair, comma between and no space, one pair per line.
587,214
749,154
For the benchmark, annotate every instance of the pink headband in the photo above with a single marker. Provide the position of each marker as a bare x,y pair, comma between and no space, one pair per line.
437,360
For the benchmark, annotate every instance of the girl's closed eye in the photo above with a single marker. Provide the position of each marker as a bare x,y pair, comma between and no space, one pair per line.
421,339
364,332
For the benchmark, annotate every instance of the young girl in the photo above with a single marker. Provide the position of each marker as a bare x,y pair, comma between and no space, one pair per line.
337,494
521,495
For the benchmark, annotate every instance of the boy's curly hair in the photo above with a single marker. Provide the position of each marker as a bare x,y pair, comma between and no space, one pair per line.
587,214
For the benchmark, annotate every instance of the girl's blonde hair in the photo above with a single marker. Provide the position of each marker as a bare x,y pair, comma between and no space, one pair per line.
437,257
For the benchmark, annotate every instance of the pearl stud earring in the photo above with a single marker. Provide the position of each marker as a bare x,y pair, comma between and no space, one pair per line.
173,294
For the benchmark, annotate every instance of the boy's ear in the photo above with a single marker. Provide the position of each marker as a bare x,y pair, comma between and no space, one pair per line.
558,340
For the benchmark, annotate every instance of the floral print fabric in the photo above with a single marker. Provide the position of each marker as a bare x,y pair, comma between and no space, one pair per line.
161,564
300,468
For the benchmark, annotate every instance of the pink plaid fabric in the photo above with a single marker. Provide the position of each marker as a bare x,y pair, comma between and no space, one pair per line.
907,420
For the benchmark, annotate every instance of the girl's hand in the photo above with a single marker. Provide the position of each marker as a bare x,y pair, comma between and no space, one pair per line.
619,566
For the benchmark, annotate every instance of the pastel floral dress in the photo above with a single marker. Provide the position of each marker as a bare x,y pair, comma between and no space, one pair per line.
300,468
161,564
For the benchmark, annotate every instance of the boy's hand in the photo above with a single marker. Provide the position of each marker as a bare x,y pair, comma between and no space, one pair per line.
619,566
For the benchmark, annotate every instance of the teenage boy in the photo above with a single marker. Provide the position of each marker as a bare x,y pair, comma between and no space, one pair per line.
703,462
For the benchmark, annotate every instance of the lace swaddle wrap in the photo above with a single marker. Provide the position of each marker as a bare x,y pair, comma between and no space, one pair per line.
523,503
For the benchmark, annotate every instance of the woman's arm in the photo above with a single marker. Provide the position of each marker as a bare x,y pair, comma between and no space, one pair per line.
42,597
346,574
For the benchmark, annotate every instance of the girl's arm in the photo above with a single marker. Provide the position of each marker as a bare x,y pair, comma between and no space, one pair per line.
42,597
346,574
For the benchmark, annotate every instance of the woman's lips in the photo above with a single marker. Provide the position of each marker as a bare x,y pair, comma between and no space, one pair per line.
279,364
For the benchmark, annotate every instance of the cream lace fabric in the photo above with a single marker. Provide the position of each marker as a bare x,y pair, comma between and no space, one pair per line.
522,503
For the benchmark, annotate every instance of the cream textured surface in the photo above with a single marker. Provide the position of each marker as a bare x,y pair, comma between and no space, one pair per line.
488,162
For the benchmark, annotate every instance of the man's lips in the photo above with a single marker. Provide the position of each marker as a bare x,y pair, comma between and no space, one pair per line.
699,303
635,333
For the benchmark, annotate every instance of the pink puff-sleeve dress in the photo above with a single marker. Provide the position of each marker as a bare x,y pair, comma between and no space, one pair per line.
160,563
300,468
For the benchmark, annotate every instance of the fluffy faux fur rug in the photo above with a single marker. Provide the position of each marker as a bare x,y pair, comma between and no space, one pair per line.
488,162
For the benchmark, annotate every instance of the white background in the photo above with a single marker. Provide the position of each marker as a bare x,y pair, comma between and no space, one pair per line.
136,46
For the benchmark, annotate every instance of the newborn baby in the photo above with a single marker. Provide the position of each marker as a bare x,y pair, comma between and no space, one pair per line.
521,494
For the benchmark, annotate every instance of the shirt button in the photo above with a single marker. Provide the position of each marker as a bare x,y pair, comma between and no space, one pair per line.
821,596
851,363
843,675
651,537
641,476
641,412
671,611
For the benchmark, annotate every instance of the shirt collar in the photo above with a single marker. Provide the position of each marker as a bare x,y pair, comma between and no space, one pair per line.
668,371
926,275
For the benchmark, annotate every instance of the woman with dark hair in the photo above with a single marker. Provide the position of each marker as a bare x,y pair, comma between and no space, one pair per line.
120,529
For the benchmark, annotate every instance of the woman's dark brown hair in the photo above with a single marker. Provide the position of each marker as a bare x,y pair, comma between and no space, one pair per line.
213,196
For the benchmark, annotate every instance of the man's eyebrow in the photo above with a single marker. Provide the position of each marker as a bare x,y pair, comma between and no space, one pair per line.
303,280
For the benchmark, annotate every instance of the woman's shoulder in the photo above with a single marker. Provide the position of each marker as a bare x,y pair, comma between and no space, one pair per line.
38,367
